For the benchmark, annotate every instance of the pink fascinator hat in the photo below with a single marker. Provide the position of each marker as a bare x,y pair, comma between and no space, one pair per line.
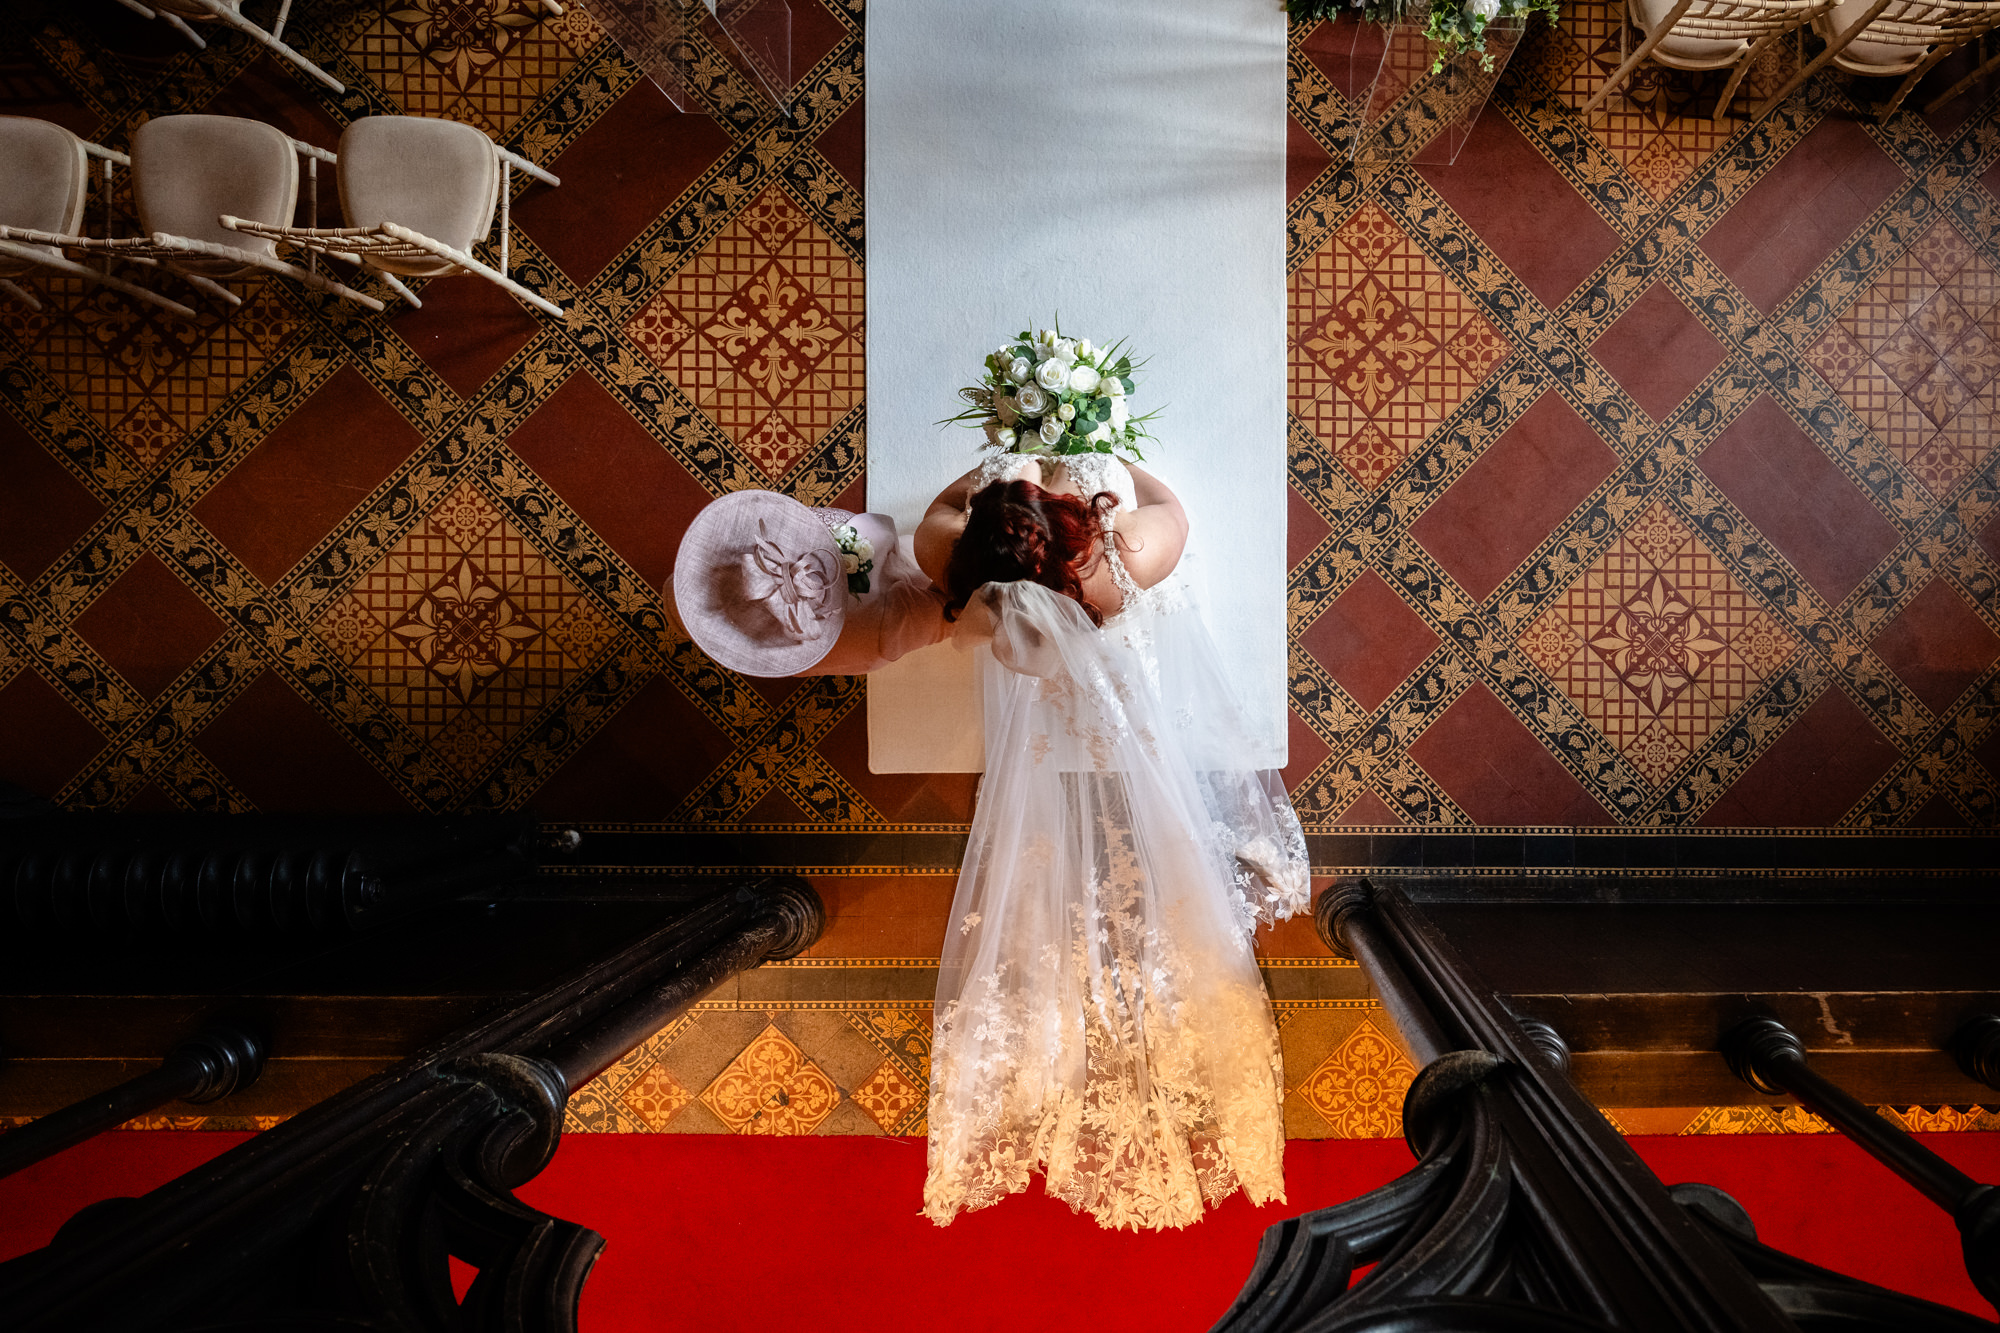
759,585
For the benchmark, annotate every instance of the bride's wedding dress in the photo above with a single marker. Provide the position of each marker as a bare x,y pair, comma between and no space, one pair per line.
1100,1015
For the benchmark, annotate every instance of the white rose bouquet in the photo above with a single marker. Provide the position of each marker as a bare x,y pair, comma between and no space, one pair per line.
1046,394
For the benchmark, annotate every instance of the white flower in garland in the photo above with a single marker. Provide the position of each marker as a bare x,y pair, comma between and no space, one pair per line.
1047,394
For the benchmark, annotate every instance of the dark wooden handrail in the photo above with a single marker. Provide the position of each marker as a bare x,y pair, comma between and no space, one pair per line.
207,1067
1527,1209
349,1210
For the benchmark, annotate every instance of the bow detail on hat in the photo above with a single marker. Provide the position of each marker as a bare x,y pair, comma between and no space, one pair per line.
794,589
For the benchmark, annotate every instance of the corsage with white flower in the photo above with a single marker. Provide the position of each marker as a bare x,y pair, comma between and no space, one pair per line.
1047,394
857,557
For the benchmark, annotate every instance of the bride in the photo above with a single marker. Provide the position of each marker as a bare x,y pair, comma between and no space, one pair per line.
1100,1016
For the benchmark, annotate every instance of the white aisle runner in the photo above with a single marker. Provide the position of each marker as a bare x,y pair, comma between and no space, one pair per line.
1120,163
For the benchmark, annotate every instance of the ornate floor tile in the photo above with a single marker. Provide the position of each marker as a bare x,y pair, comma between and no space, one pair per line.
465,629
1657,643
655,1096
771,1088
763,329
483,62
1916,355
1383,345
147,377
1359,1088
889,1097
1658,125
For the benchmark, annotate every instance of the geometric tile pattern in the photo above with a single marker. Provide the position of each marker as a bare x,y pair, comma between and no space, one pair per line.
1657,643
464,629
1916,356
763,330
1383,345
1657,125
478,642
147,378
485,64
770,1088
1359,1088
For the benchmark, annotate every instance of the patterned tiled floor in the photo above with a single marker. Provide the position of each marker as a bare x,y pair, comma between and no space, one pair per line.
1641,476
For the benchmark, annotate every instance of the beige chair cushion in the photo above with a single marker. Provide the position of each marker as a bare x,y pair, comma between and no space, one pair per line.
1694,52
187,170
44,180
1862,56
437,177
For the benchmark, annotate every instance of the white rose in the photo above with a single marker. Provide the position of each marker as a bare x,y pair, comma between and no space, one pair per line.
1111,387
1018,370
1120,414
1100,435
1007,438
1065,351
850,562
1004,408
1066,413
1486,9
1084,380
1084,351
1031,401
864,550
1044,343
1052,375
1052,430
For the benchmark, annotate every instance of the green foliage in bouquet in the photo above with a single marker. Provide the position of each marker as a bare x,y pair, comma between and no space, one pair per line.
1043,393
1456,26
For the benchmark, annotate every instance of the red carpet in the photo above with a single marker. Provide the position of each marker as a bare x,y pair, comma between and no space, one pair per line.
720,1234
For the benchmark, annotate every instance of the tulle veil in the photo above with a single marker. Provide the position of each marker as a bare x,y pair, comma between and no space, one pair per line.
1100,1017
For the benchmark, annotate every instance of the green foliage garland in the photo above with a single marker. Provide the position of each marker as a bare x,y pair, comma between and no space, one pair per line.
1456,26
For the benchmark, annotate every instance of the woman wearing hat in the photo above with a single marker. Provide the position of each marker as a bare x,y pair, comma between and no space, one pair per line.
769,587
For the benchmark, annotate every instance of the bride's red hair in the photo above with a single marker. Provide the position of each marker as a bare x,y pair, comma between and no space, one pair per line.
1015,530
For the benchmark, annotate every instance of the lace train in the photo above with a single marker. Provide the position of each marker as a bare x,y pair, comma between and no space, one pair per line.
1100,1013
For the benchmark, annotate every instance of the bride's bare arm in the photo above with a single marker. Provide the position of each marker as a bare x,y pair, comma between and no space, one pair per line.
1153,536
942,522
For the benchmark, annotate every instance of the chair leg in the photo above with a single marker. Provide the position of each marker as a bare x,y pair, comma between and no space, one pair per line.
1911,79
471,265
1986,67
243,25
116,284
394,284
20,294
320,283
1822,60
1633,61
1741,69
212,287
178,24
